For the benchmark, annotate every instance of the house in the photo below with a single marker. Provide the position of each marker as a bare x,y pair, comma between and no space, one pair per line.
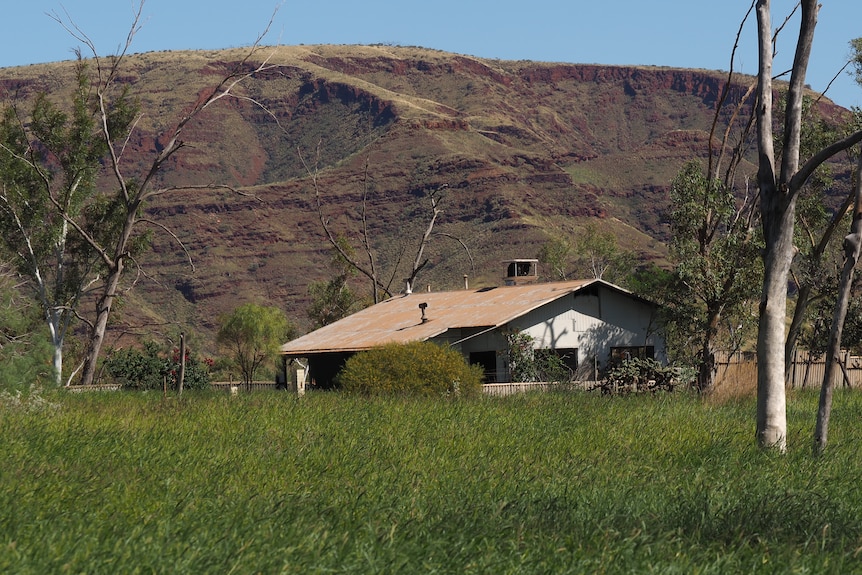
585,322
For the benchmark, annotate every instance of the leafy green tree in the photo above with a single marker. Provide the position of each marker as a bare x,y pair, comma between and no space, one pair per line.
86,145
592,253
598,255
49,161
414,368
716,267
555,255
252,335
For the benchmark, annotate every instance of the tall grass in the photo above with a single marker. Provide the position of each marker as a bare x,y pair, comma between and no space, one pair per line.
539,483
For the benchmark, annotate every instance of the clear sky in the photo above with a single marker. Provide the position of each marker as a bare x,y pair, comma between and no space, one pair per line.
679,33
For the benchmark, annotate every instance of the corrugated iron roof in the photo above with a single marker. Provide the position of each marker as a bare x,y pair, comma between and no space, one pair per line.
399,319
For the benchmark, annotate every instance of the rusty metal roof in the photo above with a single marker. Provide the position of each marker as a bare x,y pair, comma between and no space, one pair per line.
399,319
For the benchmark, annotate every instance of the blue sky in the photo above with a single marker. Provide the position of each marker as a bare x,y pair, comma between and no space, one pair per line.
690,34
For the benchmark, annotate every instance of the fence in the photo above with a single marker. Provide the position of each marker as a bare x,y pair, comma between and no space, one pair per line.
254,386
806,371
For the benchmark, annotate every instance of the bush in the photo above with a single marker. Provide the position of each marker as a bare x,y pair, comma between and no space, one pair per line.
146,369
637,375
415,368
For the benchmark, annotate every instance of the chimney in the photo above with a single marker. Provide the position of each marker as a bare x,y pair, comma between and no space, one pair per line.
466,283
521,271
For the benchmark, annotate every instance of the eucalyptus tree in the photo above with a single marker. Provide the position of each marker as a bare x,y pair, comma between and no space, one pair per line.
591,253
49,162
779,185
598,255
714,248
852,248
107,225
814,266
252,334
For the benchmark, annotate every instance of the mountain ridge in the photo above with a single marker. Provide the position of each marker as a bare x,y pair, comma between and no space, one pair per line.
526,150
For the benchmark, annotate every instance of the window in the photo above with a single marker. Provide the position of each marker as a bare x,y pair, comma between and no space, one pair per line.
619,354
488,361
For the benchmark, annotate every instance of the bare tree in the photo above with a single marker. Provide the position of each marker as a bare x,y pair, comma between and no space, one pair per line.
852,248
111,244
779,189
381,288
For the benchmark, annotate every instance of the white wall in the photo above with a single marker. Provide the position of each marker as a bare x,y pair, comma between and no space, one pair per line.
593,324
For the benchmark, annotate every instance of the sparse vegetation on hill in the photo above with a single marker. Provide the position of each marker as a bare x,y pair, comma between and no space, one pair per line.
528,150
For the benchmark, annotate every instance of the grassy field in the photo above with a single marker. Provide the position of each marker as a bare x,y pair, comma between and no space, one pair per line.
541,483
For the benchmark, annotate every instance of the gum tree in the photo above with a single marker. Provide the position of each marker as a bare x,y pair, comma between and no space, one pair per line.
779,185
252,335
106,226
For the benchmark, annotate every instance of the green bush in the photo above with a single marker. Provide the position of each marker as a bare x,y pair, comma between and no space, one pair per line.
147,369
415,368
644,374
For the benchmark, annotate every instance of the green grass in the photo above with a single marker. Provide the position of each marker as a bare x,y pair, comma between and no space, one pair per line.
548,483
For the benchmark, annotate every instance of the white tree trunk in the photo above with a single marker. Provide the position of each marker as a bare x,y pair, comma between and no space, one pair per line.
852,248
778,192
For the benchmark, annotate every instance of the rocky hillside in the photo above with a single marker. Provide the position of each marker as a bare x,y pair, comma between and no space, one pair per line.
524,150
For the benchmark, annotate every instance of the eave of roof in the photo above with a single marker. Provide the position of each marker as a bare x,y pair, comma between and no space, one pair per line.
399,319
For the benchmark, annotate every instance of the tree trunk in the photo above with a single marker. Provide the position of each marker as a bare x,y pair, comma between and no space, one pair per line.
97,333
706,375
182,373
771,402
778,193
852,249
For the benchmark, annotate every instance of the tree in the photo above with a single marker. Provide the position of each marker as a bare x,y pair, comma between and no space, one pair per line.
779,186
381,286
593,254
852,247
714,250
555,254
813,266
252,335
24,351
598,255
49,160
108,225
334,299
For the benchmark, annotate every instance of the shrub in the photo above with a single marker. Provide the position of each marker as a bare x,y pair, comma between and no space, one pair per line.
639,374
526,363
146,369
415,368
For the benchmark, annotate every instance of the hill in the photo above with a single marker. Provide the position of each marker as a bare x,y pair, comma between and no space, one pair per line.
525,150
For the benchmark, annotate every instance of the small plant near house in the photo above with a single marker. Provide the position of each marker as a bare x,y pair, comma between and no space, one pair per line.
527,364
637,375
415,368
149,369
